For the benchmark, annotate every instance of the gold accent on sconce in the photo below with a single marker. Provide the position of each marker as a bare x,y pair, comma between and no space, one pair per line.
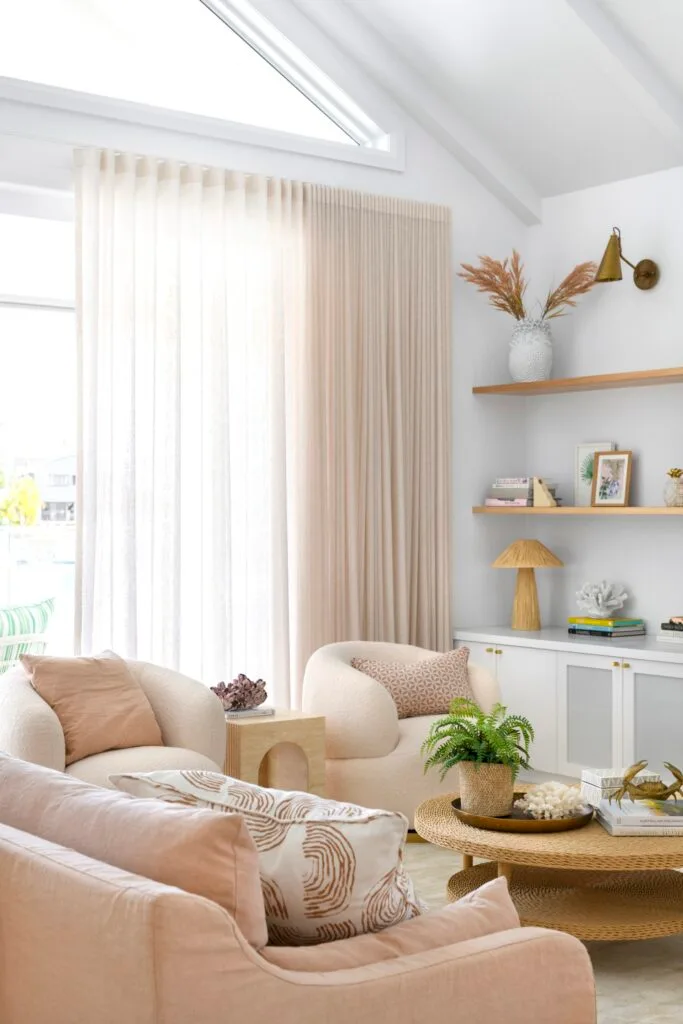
645,272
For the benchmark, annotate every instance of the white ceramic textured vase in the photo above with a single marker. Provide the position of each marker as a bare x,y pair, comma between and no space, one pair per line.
531,350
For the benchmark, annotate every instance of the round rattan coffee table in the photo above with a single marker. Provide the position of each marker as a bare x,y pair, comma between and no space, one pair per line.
585,882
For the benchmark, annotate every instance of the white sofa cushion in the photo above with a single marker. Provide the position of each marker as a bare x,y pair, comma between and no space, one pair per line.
329,870
97,769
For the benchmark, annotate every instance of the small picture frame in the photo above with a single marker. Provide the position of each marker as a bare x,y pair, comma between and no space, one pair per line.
612,478
584,458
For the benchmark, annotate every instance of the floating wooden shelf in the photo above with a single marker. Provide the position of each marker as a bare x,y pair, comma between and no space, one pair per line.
569,510
600,382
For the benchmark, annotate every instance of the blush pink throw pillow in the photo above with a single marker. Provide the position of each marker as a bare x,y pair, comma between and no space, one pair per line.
211,855
100,706
424,687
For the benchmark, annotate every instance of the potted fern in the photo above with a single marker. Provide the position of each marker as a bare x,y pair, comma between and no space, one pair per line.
489,748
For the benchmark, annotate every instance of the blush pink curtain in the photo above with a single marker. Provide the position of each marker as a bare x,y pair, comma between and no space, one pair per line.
264,459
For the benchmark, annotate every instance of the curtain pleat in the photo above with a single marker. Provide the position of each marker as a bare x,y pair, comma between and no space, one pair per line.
264,418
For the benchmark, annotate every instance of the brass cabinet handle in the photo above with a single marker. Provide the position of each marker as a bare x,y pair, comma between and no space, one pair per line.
616,664
627,664
498,651
489,650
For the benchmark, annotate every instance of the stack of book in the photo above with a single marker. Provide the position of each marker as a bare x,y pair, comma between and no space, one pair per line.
514,490
672,631
251,713
511,490
608,629
641,817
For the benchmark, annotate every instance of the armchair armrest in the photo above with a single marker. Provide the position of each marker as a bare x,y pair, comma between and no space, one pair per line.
29,728
188,713
360,715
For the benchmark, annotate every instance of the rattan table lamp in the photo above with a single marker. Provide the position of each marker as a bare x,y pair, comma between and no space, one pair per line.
525,556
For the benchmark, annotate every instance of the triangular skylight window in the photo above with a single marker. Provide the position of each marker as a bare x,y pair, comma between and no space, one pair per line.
180,55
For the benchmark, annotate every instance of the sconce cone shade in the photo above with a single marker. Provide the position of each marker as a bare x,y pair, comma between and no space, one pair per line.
525,556
610,264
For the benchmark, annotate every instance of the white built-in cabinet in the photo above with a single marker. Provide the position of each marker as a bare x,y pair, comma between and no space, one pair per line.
591,704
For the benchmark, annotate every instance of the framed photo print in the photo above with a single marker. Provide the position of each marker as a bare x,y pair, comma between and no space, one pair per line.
611,478
584,458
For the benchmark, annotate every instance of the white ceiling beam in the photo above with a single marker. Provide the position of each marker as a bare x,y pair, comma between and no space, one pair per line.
634,72
361,44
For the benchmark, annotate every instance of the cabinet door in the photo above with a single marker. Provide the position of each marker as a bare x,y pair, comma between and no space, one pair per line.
589,704
480,654
653,714
526,677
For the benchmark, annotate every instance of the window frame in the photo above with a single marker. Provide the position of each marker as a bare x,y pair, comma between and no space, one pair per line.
299,70
24,105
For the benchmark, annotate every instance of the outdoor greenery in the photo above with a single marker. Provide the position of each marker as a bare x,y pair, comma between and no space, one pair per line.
20,502
467,733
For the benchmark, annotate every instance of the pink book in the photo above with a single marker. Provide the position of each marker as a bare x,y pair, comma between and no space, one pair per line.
507,501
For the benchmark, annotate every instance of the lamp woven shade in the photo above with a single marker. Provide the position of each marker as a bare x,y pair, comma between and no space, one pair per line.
525,556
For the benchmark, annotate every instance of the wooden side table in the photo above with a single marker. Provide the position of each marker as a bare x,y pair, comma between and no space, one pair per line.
251,739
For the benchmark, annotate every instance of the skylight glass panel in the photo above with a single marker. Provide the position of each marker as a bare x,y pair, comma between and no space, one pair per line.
172,54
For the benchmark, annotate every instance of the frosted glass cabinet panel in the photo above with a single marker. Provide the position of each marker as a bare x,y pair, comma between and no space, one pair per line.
589,713
653,713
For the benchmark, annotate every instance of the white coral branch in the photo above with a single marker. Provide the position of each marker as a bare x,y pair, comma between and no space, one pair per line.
601,600
551,800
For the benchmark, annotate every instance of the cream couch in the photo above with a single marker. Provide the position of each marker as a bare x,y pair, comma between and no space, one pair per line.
84,942
190,717
373,757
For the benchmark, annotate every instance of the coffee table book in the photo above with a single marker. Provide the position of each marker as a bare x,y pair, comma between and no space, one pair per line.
641,817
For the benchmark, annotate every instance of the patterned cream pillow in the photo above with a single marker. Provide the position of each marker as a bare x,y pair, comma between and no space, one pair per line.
424,687
328,870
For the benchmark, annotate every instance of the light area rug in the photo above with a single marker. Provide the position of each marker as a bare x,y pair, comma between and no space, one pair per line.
637,982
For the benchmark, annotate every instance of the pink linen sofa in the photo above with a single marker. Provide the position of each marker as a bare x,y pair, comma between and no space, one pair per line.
83,942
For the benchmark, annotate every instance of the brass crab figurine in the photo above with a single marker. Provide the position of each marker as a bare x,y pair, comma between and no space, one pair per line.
648,790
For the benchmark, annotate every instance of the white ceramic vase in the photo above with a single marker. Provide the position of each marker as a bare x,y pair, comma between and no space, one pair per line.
531,350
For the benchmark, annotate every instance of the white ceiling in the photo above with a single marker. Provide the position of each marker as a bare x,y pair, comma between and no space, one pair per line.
571,93
536,97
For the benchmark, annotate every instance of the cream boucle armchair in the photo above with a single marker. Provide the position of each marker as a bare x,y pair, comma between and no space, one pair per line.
190,717
373,757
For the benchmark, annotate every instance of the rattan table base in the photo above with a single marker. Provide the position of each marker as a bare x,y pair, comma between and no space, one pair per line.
592,905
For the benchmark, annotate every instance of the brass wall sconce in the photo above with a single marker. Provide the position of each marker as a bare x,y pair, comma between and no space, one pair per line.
645,273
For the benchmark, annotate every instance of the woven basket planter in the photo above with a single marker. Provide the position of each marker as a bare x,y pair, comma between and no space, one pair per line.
486,788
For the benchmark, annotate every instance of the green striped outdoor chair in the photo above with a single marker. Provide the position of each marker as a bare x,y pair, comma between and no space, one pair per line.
22,630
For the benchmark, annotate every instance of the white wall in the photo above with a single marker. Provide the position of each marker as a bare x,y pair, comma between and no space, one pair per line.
616,327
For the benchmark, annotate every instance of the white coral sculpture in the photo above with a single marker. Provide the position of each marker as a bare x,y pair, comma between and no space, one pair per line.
601,600
552,800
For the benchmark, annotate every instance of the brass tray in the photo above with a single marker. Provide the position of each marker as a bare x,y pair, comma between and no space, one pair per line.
521,821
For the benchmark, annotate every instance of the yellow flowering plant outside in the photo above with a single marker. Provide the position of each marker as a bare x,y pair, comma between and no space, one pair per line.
20,503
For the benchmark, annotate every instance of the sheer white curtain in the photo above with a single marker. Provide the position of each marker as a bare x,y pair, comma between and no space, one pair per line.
189,289
264,418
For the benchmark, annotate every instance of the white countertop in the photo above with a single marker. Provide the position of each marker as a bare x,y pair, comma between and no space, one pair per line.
556,638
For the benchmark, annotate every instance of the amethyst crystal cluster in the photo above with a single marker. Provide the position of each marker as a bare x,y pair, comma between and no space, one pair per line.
241,694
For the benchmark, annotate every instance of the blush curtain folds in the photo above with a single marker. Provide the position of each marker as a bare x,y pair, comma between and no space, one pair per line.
264,440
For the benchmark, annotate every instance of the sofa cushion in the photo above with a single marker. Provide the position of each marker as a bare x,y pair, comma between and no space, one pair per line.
211,855
97,769
424,687
329,870
487,910
99,704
